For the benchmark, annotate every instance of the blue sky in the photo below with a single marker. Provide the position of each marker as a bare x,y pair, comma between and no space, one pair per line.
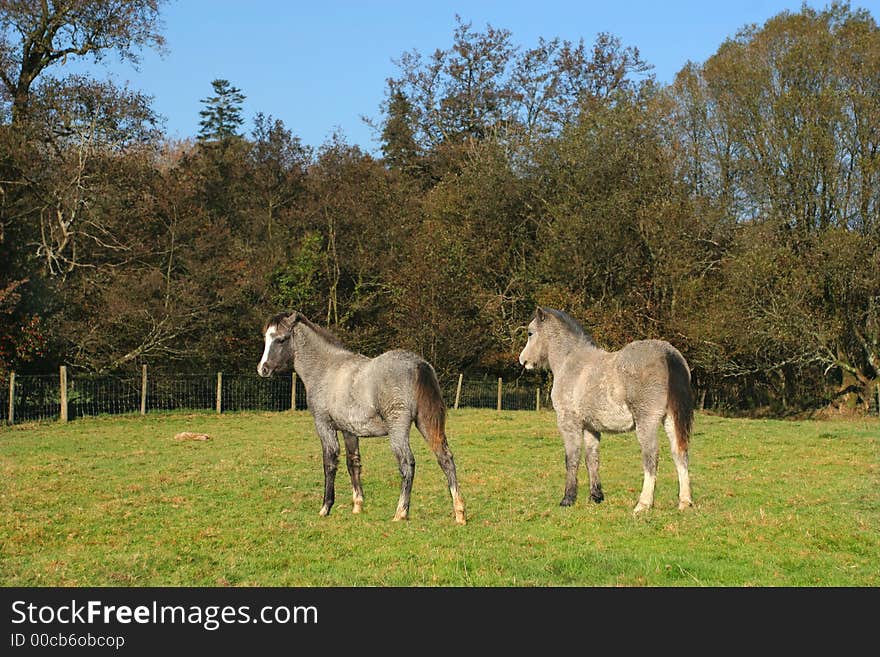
321,66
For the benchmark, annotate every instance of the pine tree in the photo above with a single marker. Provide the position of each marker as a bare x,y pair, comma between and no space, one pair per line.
398,138
221,117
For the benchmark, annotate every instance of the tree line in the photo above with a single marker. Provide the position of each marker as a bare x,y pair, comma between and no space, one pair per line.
734,212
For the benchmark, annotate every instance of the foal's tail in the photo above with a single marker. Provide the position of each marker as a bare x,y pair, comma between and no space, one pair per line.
430,409
680,401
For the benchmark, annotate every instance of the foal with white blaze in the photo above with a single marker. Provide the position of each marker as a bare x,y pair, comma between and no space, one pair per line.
641,386
360,396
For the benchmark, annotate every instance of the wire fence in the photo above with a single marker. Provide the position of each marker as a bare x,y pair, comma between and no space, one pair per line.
495,393
35,397
48,396
55,396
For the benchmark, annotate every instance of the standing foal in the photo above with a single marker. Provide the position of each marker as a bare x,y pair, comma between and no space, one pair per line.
360,396
643,385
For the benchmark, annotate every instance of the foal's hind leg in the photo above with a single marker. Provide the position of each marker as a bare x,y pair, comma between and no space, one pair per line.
646,430
353,460
406,462
440,447
330,453
680,458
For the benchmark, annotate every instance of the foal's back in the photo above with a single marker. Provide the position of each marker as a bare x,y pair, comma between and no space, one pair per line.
644,362
642,368
361,394
611,389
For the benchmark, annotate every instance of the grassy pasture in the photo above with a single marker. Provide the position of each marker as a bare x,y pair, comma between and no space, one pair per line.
117,501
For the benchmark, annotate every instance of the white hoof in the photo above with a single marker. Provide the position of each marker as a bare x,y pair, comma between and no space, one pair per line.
458,509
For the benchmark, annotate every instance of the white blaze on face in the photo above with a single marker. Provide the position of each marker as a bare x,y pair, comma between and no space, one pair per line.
523,359
271,332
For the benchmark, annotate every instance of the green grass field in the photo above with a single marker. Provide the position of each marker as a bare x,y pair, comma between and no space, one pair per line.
116,501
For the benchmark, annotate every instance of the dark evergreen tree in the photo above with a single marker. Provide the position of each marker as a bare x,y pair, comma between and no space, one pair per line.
398,137
221,117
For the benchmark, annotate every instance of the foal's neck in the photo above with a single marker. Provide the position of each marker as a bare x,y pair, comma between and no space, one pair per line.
565,346
314,353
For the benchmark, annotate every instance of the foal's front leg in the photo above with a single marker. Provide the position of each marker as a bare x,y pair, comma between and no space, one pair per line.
330,453
591,446
573,441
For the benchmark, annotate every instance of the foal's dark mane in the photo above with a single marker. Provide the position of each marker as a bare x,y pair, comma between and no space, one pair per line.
320,330
276,320
571,324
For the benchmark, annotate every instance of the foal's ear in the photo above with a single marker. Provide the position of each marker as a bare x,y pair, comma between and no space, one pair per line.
290,321
540,315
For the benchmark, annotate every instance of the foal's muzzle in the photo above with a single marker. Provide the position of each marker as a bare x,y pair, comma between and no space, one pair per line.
264,370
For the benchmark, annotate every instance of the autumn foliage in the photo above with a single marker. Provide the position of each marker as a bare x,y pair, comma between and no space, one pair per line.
734,212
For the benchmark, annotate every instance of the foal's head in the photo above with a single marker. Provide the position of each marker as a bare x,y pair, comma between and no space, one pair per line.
551,327
534,354
278,352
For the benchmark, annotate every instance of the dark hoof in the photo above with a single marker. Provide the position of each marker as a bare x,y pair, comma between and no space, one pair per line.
566,501
597,497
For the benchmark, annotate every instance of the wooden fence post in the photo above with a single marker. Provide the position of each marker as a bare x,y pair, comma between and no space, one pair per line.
458,391
11,416
64,393
499,393
144,390
293,391
219,391
538,398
